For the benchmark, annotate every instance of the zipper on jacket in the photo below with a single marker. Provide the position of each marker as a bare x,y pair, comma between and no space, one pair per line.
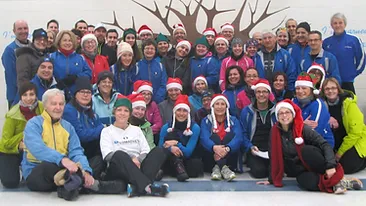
148,69
125,83
54,139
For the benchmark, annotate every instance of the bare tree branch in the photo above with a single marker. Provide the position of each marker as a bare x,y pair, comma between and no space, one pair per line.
252,11
115,22
133,23
278,25
186,6
211,13
236,22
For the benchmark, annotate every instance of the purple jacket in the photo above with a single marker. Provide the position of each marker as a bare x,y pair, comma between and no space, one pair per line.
153,116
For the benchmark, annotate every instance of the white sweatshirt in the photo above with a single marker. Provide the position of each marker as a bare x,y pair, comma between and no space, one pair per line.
131,140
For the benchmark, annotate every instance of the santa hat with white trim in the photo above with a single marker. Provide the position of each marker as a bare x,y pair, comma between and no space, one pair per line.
210,31
185,43
215,98
142,85
182,102
227,26
320,68
174,83
178,26
144,29
261,83
306,80
137,100
220,37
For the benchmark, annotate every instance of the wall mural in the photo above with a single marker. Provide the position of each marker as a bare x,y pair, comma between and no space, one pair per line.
191,15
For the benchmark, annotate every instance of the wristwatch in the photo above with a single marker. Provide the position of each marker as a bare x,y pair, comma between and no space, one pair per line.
227,149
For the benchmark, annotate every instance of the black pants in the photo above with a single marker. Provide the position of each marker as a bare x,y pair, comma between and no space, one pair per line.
98,166
121,167
314,158
41,177
9,169
352,162
230,160
193,166
258,166
348,86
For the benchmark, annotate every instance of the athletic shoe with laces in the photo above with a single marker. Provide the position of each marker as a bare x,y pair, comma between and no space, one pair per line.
227,174
340,187
216,173
353,183
132,191
159,190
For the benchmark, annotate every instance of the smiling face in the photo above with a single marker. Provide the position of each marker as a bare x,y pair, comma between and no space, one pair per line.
90,45
282,39
262,95
131,39
83,97
179,35
149,52
53,27
163,47
251,76
338,25
126,58
101,34
182,51
173,93
122,114
147,96
50,39
234,76
181,115
105,86
302,35
228,34
81,26
303,92
291,27
41,43
55,106
315,42
285,116
139,112
146,35
219,107
29,97
201,50
252,50
45,71
66,42
279,83
237,49
112,38
21,30
269,41
200,86
331,91
210,39
221,47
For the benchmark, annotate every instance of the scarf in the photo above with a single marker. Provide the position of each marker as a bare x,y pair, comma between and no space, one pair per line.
333,103
22,44
90,55
137,121
28,110
66,52
305,100
180,126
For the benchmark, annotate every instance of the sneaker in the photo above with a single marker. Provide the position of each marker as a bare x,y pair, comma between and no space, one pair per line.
216,174
227,174
159,190
353,183
340,187
67,195
131,191
181,171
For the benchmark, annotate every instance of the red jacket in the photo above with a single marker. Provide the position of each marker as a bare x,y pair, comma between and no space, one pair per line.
100,64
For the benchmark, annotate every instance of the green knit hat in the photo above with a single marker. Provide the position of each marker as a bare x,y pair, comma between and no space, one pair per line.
161,37
202,40
123,101
129,31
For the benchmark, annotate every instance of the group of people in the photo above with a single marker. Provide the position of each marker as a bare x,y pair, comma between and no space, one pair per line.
90,115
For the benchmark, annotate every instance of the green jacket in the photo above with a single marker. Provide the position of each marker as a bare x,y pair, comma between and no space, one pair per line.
354,125
147,131
13,129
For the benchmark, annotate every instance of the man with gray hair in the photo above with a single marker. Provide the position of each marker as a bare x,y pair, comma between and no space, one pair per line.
259,37
348,50
21,31
272,58
54,158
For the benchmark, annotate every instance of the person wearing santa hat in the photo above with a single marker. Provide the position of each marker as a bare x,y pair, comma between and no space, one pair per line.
177,65
180,137
221,49
299,151
96,62
152,110
210,34
199,85
257,120
234,76
221,138
125,149
203,64
144,32
138,119
314,110
124,70
227,30
150,69
179,33
237,58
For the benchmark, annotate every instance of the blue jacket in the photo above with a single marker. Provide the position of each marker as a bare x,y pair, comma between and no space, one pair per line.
88,129
195,101
102,109
208,67
206,133
348,50
123,79
248,119
187,144
50,142
231,96
74,64
298,53
283,63
154,72
324,58
317,110
8,60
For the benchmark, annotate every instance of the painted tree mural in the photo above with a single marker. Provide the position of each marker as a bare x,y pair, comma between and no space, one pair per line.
191,15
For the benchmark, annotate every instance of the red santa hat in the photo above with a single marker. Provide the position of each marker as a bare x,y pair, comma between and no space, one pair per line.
142,85
220,37
178,26
137,100
174,83
185,43
261,83
306,80
227,26
182,102
144,29
321,69
210,31
215,98
202,78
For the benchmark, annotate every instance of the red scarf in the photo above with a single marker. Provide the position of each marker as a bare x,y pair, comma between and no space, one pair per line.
66,52
28,114
221,130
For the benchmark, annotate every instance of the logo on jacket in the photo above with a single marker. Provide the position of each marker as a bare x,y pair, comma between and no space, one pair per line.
347,47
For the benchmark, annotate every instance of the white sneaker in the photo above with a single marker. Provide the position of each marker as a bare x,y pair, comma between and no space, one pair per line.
227,174
216,174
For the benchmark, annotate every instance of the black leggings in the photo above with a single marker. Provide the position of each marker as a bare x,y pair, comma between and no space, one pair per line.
258,166
193,166
41,177
9,169
352,162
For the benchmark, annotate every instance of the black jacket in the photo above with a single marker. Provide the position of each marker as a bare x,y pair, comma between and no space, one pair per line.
179,68
110,53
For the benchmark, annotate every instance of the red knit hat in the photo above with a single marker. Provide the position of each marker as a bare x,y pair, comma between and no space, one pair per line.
174,83
178,26
220,37
185,43
210,31
261,83
319,67
137,100
227,26
215,98
142,85
182,102
144,29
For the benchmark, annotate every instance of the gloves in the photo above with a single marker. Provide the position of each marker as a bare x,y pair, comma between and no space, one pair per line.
69,80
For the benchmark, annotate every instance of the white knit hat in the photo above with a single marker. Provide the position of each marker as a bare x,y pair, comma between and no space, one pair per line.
217,97
88,37
182,102
202,78
123,47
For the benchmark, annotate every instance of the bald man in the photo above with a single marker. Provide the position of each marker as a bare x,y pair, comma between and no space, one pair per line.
258,36
21,31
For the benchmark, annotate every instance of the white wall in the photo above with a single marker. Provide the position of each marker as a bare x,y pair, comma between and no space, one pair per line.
67,12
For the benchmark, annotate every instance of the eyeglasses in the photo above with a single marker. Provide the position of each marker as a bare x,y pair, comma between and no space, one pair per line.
328,89
85,92
251,76
287,113
262,92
